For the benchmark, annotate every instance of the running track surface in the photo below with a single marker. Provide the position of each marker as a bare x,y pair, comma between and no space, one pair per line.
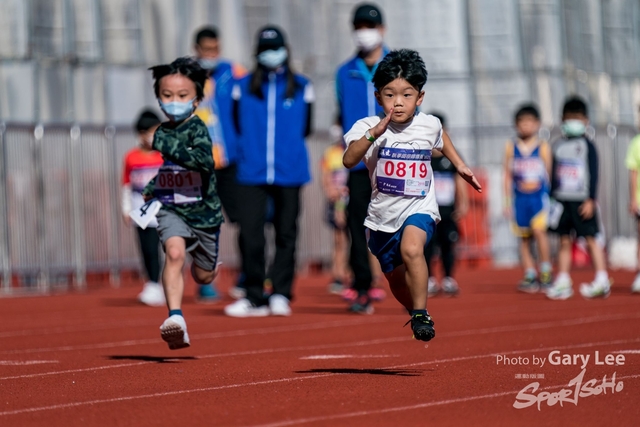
96,359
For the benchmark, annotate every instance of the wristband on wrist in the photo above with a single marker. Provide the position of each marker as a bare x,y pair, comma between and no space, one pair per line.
369,137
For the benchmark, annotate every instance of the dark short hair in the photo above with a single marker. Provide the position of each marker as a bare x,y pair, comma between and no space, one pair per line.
206,33
575,105
440,116
146,120
186,66
527,110
403,63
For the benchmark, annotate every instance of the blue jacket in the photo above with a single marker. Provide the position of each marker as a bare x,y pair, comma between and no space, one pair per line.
271,132
216,112
355,93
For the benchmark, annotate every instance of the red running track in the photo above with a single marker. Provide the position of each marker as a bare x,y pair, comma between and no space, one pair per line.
96,359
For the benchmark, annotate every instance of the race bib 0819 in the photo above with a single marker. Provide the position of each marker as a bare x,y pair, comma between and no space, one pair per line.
403,172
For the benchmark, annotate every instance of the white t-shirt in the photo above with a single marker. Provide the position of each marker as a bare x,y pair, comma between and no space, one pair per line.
399,164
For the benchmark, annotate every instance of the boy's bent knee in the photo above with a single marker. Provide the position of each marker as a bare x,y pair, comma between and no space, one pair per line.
201,276
175,254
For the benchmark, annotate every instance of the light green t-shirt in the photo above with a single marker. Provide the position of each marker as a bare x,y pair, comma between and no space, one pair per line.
632,161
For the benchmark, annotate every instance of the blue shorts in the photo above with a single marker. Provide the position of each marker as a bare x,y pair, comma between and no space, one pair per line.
530,212
386,246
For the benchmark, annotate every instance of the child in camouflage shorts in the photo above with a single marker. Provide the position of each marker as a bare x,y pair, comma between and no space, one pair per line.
190,217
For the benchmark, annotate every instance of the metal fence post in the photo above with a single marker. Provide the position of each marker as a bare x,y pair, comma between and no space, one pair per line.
5,257
77,188
43,270
114,215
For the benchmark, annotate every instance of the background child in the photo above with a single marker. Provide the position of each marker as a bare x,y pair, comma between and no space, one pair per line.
574,184
633,164
403,211
453,204
191,215
527,165
141,164
334,184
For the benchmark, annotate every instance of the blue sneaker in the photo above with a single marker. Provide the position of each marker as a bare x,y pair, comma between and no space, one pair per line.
207,294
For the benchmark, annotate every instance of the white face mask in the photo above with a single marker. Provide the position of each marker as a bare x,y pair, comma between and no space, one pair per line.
573,128
367,39
273,59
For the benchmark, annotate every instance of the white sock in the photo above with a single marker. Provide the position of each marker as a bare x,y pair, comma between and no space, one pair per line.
602,276
563,277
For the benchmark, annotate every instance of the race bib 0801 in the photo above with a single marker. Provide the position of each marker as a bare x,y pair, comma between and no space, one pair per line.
403,172
177,185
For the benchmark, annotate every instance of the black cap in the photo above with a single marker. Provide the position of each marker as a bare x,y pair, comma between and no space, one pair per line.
367,12
270,37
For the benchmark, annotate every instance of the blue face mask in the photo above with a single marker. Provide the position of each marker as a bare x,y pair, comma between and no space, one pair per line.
208,63
573,128
273,59
177,111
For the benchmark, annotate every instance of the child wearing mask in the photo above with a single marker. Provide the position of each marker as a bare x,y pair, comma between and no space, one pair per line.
396,147
573,186
191,214
141,164
272,113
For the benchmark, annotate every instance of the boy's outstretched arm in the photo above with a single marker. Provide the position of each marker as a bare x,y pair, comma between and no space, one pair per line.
450,152
357,149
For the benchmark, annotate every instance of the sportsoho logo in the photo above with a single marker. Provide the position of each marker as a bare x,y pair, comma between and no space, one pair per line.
577,387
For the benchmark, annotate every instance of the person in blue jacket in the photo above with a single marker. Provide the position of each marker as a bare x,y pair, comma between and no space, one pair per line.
215,111
272,114
356,100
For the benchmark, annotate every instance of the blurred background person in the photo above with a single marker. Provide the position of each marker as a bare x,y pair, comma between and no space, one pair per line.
334,185
216,112
527,168
141,164
356,100
453,203
273,115
632,162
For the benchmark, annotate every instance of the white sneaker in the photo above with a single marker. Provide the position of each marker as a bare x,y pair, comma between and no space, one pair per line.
279,305
174,332
237,292
561,289
244,308
635,287
152,295
596,289
433,287
450,286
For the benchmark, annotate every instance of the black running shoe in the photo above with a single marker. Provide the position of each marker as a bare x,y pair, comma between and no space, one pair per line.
422,327
529,285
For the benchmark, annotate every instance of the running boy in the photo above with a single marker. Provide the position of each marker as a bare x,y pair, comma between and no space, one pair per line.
191,215
527,166
396,147
573,186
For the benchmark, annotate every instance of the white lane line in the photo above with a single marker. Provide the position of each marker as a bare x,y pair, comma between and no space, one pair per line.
320,347
206,389
167,393
26,362
323,325
257,383
412,407
348,356
627,351
492,311
237,333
